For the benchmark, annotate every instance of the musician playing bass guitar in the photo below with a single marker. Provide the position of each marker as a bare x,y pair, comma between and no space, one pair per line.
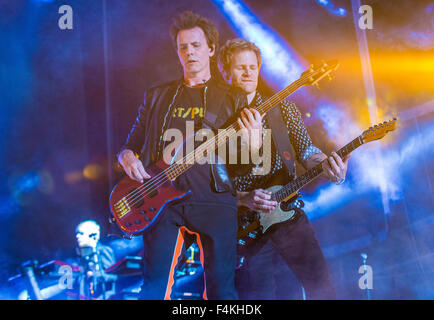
294,239
210,210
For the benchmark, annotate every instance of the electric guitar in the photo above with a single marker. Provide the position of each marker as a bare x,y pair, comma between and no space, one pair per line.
136,206
252,224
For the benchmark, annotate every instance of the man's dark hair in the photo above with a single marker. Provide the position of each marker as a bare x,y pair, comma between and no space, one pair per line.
230,47
189,20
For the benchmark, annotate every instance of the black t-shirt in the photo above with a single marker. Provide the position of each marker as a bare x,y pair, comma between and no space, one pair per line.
189,110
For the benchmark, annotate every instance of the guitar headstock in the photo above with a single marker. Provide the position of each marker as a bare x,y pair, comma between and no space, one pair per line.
379,131
313,75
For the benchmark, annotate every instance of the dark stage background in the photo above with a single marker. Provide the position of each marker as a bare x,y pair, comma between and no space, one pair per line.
69,97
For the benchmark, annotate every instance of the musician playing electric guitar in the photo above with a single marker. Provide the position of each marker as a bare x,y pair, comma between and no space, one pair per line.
209,212
295,239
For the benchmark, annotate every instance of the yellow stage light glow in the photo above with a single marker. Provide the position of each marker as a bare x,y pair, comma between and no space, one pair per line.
92,171
408,70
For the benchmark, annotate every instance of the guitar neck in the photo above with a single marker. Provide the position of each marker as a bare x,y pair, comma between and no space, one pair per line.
271,102
313,173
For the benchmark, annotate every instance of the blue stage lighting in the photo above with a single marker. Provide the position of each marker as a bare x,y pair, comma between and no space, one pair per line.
25,184
331,8
339,12
324,3
367,176
280,63
28,182
42,1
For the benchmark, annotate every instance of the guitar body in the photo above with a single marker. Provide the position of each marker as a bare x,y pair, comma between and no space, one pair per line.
253,224
282,213
134,208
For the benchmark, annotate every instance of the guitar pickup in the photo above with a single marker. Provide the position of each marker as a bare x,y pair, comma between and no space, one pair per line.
122,207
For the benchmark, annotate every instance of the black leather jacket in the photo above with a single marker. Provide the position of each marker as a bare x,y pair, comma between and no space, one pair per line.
223,104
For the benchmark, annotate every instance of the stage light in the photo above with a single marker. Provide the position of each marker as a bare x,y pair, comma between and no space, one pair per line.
22,186
367,175
92,171
281,65
26,183
324,3
409,71
339,12
331,8
42,1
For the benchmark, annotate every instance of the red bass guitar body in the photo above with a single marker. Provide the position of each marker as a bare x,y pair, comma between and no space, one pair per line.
136,206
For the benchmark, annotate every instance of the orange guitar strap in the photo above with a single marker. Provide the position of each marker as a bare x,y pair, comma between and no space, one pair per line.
176,254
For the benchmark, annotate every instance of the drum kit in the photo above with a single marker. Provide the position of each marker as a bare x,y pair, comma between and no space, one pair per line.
75,280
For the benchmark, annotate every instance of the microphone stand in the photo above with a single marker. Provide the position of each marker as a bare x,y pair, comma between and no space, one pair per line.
93,270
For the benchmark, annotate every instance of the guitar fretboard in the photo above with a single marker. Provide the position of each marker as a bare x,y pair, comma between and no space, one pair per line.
313,173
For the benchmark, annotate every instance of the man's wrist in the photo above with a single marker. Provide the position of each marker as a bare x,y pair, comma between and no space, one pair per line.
122,153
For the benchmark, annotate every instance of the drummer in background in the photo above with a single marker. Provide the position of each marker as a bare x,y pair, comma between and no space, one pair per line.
88,235
89,281
95,257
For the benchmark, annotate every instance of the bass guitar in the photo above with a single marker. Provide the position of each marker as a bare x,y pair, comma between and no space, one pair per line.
252,224
136,206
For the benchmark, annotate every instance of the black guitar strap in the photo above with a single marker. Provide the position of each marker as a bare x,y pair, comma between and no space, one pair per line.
279,132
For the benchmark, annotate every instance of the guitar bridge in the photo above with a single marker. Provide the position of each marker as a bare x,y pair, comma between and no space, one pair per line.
122,207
